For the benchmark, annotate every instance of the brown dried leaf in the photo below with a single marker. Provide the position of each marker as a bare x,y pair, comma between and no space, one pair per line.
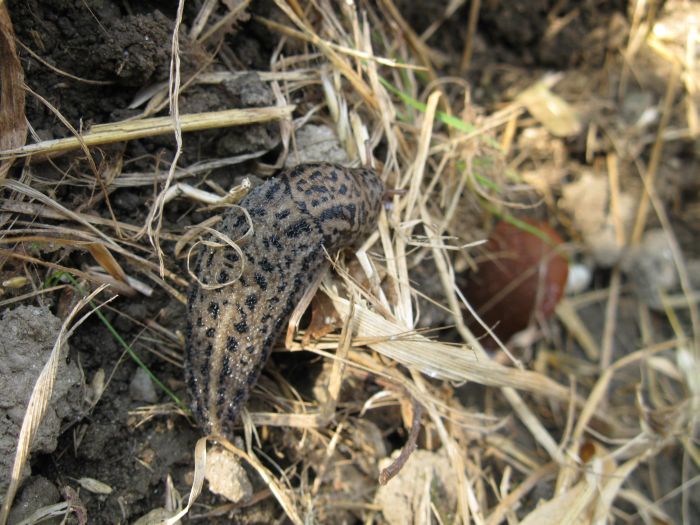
324,319
105,259
13,124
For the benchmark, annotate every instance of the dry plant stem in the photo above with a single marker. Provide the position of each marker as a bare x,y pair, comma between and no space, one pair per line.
413,179
637,36
567,314
76,134
155,216
226,508
337,61
200,21
467,504
469,40
323,467
335,381
39,401
411,443
118,287
615,282
391,339
200,463
526,415
7,302
607,346
32,193
230,17
650,176
614,179
595,397
311,38
13,123
301,307
414,41
149,127
509,502
60,71
36,210
509,452
686,285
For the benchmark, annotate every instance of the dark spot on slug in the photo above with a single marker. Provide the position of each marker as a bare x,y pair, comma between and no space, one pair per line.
262,282
251,301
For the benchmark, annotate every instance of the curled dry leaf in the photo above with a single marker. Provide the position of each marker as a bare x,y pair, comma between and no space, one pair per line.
324,318
523,278
13,124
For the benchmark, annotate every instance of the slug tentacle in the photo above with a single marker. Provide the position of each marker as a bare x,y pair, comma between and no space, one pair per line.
231,329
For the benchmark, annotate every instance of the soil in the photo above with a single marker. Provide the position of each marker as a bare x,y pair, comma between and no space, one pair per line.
121,48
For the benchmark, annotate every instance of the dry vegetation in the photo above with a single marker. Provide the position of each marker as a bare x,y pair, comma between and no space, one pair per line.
567,427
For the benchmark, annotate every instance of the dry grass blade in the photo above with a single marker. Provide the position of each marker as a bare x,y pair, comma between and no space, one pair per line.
335,59
105,259
13,124
200,464
38,402
34,194
149,127
154,221
437,359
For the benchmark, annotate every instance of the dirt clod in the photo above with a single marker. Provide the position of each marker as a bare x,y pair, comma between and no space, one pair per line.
37,492
425,478
226,476
29,334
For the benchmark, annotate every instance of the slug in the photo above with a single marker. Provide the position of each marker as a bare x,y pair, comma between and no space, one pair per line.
231,329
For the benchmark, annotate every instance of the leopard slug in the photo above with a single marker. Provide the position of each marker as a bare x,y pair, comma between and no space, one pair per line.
231,329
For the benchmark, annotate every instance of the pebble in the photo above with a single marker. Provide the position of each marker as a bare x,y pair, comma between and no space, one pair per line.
142,388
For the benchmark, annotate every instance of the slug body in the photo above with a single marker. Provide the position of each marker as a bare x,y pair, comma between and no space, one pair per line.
231,329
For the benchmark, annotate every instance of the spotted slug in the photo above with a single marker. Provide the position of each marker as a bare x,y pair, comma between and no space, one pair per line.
231,329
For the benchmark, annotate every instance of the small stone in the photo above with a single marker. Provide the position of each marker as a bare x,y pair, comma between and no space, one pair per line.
316,144
141,387
579,279
226,476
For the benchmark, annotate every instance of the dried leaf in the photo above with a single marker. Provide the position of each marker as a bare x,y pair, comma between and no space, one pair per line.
105,259
324,318
13,124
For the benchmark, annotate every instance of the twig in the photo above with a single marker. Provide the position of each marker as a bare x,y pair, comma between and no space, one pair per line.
411,443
